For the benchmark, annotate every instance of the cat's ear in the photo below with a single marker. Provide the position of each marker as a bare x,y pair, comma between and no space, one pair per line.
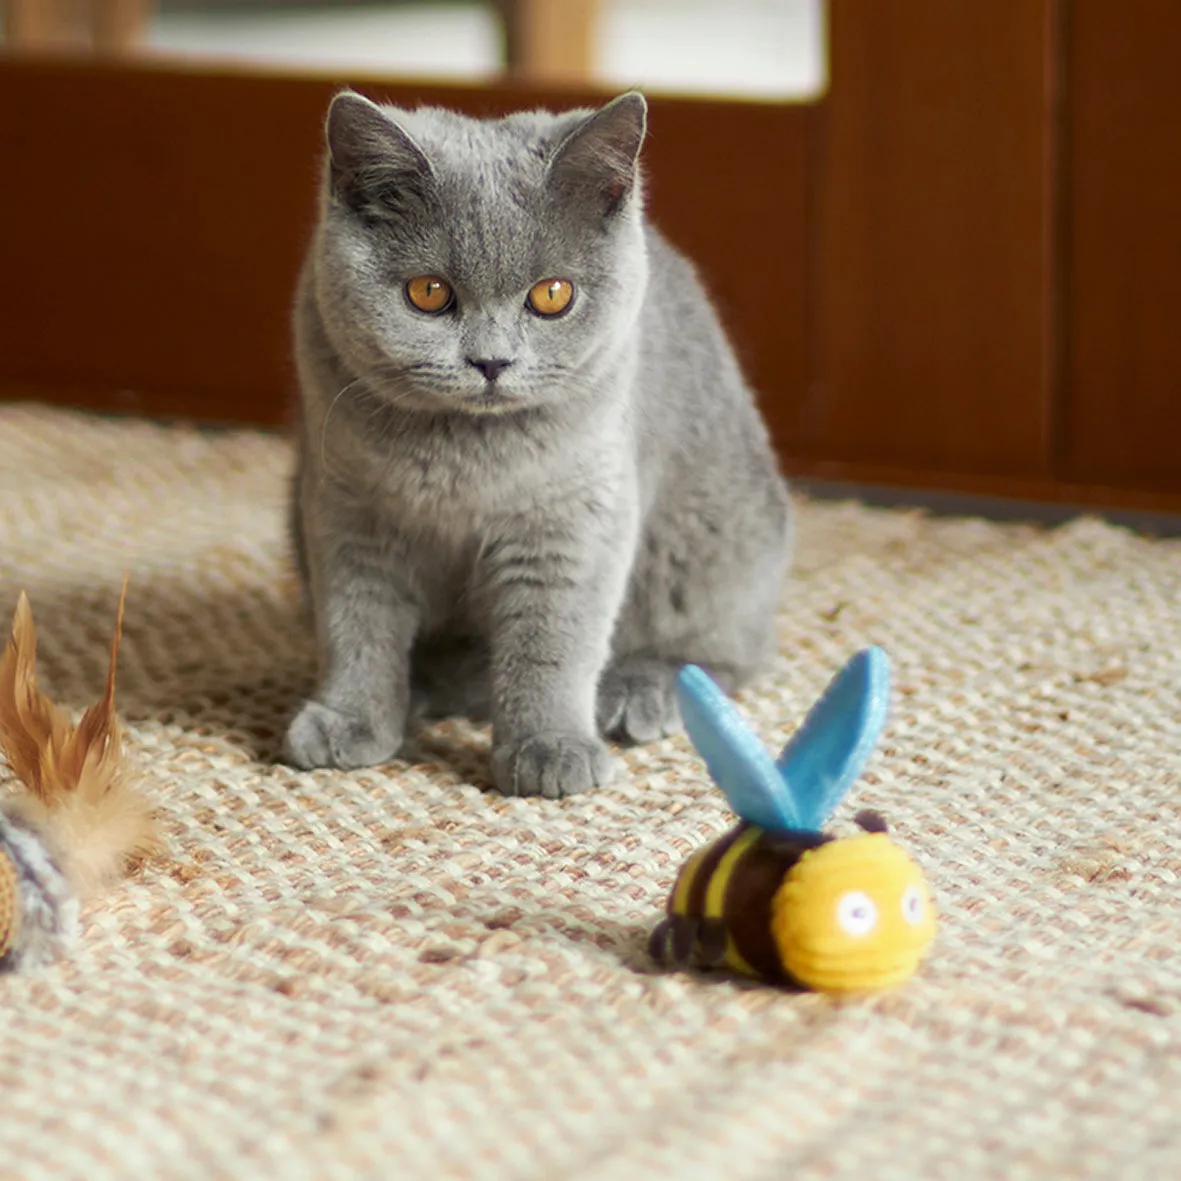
375,166
600,158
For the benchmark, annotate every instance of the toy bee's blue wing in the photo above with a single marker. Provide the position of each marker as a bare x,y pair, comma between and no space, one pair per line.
827,752
737,761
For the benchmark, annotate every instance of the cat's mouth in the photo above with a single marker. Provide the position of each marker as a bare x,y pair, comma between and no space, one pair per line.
492,400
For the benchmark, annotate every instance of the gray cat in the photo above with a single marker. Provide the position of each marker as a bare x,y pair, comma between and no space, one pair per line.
532,480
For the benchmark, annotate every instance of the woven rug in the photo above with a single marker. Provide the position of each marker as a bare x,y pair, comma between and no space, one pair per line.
398,973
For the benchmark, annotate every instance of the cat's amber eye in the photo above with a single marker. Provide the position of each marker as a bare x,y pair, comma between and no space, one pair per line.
551,297
429,293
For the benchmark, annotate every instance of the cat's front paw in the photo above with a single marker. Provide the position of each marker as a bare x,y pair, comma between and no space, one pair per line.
637,701
552,765
320,736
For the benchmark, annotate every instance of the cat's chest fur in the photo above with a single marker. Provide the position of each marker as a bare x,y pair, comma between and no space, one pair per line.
449,485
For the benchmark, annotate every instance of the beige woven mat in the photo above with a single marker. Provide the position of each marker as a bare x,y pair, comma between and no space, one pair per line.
397,974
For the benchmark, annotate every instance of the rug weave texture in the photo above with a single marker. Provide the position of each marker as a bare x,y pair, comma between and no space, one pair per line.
399,973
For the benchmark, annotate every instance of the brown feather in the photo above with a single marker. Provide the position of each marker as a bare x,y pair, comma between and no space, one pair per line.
78,790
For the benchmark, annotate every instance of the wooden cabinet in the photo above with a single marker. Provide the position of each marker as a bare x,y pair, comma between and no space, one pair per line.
1121,384
932,284
960,268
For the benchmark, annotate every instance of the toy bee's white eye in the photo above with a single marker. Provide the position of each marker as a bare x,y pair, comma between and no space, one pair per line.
856,913
914,905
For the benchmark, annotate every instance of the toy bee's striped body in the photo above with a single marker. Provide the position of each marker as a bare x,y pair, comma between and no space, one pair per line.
719,911
775,897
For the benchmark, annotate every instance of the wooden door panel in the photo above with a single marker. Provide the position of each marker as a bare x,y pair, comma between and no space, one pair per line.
159,217
1122,391
932,268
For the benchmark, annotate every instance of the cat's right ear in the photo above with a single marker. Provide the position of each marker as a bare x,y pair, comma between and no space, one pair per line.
375,167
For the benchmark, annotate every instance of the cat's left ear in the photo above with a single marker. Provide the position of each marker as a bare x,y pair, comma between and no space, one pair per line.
601,157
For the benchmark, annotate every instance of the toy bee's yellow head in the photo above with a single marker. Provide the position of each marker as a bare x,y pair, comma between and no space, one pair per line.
852,915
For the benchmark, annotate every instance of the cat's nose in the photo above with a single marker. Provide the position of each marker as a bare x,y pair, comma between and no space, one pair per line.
491,368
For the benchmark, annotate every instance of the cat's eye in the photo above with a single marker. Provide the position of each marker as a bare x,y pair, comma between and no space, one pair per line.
550,297
429,293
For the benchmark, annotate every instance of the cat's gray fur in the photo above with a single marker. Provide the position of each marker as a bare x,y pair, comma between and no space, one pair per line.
553,543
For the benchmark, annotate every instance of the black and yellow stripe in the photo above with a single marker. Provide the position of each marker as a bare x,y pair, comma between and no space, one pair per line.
719,910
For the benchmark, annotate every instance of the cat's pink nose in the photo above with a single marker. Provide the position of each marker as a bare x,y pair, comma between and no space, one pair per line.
490,368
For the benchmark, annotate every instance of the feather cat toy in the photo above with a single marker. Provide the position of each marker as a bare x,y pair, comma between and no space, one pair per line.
76,822
775,897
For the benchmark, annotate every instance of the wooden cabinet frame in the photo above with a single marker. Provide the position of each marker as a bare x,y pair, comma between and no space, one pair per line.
959,269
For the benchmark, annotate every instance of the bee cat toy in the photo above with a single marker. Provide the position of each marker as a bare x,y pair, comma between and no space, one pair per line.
775,897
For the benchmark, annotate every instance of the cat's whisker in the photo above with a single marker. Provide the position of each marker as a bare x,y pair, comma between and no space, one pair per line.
362,389
328,415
